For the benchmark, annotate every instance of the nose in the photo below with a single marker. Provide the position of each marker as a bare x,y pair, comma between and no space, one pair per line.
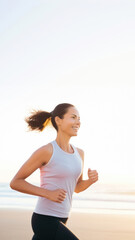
78,122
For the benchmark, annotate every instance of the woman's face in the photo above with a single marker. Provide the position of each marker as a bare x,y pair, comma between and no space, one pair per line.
70,123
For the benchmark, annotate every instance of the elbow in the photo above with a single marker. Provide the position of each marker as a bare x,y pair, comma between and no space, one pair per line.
12,184
16,184
76,190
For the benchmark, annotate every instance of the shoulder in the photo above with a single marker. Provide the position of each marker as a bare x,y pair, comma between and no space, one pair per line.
45,149
44,153
81,152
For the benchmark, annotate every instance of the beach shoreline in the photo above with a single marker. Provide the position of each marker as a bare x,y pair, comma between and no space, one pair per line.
16,224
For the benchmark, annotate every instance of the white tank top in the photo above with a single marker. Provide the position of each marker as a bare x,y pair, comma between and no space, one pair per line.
61,172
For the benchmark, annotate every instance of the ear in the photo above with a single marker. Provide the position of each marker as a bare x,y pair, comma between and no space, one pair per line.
58,121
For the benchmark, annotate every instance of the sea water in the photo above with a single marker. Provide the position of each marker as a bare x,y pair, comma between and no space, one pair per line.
98,197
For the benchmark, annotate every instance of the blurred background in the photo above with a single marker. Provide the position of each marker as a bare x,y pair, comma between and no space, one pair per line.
80,52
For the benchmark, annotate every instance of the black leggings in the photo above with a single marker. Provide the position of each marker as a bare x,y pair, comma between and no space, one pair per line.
50,228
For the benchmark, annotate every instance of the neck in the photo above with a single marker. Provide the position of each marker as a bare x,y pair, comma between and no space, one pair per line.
63,142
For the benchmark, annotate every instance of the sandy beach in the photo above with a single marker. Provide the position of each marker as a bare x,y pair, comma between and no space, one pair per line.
15,224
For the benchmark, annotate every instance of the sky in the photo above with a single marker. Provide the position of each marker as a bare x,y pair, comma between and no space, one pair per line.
81,52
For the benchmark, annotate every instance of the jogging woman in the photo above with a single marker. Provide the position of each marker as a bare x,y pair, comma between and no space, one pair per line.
61,170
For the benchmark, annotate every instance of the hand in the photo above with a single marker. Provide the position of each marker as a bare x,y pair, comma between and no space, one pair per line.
57,195
92,175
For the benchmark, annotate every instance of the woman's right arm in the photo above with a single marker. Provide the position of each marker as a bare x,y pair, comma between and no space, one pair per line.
38,159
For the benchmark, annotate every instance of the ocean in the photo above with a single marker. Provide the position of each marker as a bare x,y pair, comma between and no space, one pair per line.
99,197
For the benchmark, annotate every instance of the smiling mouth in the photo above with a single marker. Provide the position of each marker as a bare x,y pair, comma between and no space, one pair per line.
75,128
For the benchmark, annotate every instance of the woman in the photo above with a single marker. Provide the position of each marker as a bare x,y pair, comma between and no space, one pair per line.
61,166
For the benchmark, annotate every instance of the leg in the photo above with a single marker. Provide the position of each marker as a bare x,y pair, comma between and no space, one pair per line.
35,237
50,228
44,227
63,233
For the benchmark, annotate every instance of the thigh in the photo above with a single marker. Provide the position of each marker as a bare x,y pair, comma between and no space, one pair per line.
63,233
35,237
44,227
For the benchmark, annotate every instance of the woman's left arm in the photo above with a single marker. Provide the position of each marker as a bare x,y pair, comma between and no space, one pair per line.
92,177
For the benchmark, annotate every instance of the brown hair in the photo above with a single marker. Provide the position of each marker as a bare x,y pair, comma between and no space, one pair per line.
38,120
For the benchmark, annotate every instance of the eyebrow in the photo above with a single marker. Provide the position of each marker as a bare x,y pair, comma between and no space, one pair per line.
75,115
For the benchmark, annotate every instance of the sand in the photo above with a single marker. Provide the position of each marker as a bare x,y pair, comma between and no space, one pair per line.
15,224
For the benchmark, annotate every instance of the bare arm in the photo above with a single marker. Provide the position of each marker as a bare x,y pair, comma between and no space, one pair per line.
38,158
92,177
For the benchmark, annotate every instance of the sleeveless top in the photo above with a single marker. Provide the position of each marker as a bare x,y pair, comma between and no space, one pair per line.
61,172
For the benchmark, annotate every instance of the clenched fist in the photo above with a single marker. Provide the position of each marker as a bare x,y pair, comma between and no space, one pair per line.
92,175
57,195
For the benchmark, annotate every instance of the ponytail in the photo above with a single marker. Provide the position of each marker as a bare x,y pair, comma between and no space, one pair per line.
38,120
